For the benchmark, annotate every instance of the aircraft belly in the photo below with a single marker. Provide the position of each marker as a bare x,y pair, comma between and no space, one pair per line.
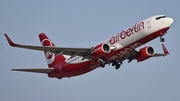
72,70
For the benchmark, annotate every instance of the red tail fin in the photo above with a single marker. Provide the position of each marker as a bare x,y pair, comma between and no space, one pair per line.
51,58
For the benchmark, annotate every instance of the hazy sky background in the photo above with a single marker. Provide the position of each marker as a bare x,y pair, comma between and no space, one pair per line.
80,23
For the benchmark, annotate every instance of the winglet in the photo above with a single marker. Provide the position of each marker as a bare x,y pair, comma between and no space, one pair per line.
10,41
165,50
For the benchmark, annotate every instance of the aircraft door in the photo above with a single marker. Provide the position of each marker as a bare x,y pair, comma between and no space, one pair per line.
149,23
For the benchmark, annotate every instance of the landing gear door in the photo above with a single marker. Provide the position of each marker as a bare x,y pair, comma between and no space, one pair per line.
149,23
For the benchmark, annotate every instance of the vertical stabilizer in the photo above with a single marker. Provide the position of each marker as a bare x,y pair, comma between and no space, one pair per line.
52,59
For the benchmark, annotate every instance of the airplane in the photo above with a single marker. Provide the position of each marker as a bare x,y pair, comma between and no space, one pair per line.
65,62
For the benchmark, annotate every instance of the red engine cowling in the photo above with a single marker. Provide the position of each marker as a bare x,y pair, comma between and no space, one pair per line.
100,50
145,53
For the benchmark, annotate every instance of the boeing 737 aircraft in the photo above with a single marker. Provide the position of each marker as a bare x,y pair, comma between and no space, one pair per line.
67,62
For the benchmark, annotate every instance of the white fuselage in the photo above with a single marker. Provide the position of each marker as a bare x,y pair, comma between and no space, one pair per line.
131,35
139,31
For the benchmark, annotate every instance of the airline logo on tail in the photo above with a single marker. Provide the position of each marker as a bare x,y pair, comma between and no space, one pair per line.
49,56
52,59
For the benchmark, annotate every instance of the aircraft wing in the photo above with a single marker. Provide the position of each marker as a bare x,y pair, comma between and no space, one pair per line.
132,56
165,52
57,50
36,70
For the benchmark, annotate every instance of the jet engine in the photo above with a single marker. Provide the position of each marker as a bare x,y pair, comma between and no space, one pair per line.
100,50
145,53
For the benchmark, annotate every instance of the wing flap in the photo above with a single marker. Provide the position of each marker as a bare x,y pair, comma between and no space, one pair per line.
35,70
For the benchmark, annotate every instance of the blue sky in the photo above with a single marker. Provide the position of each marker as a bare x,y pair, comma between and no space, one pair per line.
79,23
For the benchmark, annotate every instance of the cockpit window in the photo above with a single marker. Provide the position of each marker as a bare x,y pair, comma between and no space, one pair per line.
160,17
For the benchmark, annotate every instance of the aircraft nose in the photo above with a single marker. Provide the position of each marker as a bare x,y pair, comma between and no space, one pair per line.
169,21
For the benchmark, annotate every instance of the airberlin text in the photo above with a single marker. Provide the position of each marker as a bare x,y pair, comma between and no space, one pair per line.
126,33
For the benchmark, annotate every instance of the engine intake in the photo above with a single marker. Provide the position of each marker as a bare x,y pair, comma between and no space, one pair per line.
100,50
145,53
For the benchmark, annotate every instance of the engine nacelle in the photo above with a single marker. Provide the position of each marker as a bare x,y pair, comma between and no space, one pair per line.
100,50
145,53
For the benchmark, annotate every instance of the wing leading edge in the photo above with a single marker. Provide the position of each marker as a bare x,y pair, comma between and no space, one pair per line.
57,50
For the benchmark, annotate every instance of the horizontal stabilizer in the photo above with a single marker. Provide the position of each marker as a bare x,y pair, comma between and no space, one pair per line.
36,70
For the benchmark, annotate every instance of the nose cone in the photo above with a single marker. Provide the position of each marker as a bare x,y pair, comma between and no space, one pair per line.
169,21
